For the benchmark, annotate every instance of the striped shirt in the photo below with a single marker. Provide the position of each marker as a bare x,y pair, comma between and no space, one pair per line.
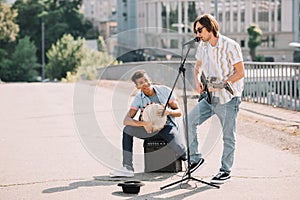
218,62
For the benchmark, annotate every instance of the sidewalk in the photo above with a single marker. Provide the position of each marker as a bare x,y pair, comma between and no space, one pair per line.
51,148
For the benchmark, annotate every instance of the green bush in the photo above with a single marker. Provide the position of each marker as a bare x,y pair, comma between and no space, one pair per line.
24,61
91,62
69,59
65,56
260,58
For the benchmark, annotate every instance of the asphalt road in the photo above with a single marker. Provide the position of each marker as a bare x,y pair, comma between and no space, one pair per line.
60,141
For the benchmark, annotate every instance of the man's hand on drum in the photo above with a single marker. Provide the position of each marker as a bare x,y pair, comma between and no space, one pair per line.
148,126
167,112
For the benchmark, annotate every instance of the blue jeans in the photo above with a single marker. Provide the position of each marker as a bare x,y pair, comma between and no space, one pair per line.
169,133
227,114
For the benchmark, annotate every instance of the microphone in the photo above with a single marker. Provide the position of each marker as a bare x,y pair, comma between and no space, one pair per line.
192,41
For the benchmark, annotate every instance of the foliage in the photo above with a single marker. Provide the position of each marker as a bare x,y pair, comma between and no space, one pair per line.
8,33
59,17
5,65
87,73
91,62
65,56
90,31
71,78
260,58
98,59
24,61
192,12
8,28
28,20
101,44
20,64
255,35
70,60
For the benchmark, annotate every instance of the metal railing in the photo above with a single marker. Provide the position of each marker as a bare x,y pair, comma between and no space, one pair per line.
275,84
271,83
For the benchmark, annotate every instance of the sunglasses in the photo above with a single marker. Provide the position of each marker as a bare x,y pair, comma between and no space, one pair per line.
199,30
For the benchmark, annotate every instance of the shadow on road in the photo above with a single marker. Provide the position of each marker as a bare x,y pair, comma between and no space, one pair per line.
108,181
189,190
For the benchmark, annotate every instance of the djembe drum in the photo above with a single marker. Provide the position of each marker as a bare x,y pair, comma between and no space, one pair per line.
151,114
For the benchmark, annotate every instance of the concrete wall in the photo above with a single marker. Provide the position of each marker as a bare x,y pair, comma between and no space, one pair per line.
160,72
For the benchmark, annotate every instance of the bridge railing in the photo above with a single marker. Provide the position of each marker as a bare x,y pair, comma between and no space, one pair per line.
271,83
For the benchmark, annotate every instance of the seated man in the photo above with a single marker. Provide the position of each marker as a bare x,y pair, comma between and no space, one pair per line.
170,132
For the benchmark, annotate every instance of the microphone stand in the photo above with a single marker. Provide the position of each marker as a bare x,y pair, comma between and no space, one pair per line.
188,177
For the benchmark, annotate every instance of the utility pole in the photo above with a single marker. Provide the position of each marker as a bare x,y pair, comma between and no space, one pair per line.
296,20
216,10
296,17
43,49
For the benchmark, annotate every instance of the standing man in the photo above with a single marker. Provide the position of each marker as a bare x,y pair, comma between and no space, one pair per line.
220,59
148,94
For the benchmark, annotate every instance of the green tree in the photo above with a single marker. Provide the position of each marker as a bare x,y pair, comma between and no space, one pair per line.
255,34
24,61
62,17
5,64
59,17
192,12
29,18
65,56
97,59
8,28
91,62
8,34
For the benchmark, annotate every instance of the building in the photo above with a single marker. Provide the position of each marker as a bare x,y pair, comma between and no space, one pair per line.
102,13
161,26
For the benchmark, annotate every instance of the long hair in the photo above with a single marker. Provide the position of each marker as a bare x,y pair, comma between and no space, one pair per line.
209,22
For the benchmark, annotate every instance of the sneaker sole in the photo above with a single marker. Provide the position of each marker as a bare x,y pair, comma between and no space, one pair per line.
219,181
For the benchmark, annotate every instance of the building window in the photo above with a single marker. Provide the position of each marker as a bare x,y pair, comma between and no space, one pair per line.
220,17
242,43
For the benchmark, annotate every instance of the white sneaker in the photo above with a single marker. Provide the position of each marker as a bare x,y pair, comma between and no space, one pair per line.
123,172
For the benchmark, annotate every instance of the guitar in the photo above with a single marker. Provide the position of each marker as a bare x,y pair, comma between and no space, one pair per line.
205,92
212,82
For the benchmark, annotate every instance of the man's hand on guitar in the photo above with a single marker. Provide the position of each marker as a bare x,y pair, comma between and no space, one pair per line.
211,89
199,87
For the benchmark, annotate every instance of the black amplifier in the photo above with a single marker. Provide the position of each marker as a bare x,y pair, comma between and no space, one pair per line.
159,157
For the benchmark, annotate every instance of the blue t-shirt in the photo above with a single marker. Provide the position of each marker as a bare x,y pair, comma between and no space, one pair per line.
162,93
